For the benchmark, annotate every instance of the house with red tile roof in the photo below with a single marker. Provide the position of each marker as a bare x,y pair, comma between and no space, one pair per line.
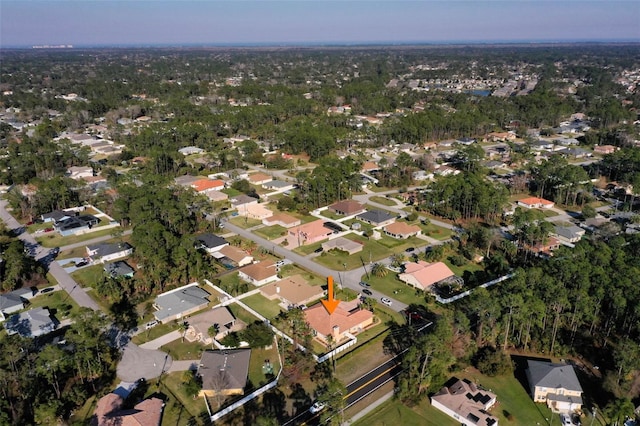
204,185
535,203
259,178
422,275
348,319
109,412
347,207
402,230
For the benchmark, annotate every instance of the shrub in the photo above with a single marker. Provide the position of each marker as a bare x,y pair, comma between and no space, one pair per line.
492,362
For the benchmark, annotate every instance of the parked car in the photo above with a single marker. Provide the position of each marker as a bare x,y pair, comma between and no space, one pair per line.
364,284
565,420
410,249
81,263
316,407
367,292
319,250
151,324
385,301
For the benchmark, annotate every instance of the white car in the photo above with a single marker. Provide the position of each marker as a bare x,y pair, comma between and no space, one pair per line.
565,420
316,407
385,301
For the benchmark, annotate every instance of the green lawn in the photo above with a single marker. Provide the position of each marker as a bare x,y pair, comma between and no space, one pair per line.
383,200
231,192
307,249
89,275
391,286
435,232
512,399
186,350
258,356
271,232
181,409
59,301
267,308
154,333
242,314
53,239
330,214
244,222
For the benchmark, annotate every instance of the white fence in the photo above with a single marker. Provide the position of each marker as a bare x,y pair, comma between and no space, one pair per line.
468,292
352,341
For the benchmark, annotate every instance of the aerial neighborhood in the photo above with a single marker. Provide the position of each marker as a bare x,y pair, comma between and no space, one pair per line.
435,236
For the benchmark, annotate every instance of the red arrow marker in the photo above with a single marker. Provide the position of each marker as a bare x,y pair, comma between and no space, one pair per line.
330,304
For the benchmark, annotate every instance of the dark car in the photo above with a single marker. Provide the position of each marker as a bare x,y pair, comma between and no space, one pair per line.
367,292
364,284
410,249
81,263
318,250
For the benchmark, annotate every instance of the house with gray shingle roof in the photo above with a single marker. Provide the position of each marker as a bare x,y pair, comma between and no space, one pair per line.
176,304
32,323
224,372
105,252
569,234
119,269
376,217
555,384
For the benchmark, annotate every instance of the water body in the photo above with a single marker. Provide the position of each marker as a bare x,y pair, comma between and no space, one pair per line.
478,92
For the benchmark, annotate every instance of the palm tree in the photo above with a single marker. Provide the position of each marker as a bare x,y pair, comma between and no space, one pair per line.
397,259
213,332
379,270
182,328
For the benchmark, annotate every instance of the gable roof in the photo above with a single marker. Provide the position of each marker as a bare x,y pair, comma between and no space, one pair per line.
206,184
427,273
550,375
180,300
211,240
227,369
347,207
532,201
105,249
375,216
118,269
10,302
234,253
259,177
294,289
32,323
261,270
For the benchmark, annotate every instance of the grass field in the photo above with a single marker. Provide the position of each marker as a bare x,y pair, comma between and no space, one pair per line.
53,239
267,308
58,301
179,350
435,232
244,222
383,200
257,361
391,286
271,232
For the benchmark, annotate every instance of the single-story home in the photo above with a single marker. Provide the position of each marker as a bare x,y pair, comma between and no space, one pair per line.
216,196
344,244
190,150
569,234
240,201
311,232
109,412
348,319
604,149
210,243
224,372
14,301
292,290
259,273
259,178
278,185
56,215
119,269
238,256
221,317
376,217
206,185
422,275
79,172
347,207
370,166
104,252
282,219
74,224
465,402
535,203
402,230
556,385
186,180
545,248
254,211
32,323
180,302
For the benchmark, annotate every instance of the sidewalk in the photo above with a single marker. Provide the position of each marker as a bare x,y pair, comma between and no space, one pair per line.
369,409
162,340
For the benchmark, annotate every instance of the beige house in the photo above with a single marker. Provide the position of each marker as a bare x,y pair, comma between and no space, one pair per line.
259,178
292,290
344,244
282,219
259,273
199,325
556,385
422,275
236,255
402,230
254,211
348,319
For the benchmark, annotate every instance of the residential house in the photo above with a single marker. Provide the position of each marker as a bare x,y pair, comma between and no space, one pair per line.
556,385
343,244
347,208
422,275
254,211
259,273
186,180
466,402
501,136
109,412
443,170
32,323
604,149
402,230
119,269
216,196
224,372
422,175
292,291
369,167
104,252
239,202
220,318
14,301
190,150
282,219
535,203
205,185
210,243
544,248
79,172
568,234
259,178
56,216
309,233
347,320
466,141
542,145
234,255
176,304
376,217
75,224
278,185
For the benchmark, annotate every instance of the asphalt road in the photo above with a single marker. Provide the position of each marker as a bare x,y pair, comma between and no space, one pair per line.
348,279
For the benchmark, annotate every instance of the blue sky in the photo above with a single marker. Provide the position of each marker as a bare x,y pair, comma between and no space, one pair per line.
153,22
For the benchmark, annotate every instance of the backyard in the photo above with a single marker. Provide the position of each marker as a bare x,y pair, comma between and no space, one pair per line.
53,239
